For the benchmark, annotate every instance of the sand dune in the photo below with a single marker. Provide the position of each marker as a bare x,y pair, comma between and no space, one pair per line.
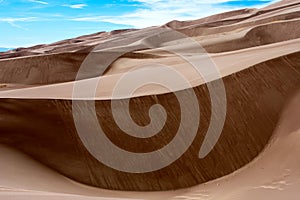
260,179
261,35
256,53
257,18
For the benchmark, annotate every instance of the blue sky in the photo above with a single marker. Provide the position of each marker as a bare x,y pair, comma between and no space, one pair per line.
29,22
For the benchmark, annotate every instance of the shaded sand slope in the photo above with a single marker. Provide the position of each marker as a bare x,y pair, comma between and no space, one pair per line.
261,179
257,54
49,130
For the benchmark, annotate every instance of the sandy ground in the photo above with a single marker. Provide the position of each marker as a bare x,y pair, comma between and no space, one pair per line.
241,44
274,174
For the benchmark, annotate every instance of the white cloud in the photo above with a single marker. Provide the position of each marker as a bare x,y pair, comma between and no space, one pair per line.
21,19
12,21
40,2
158,12
76,6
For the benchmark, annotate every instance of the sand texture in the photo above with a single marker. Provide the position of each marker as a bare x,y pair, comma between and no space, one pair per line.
257,55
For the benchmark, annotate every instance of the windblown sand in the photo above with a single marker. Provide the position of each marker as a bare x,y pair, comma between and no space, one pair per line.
257,52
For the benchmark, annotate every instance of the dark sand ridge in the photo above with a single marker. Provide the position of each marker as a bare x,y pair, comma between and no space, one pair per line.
44,129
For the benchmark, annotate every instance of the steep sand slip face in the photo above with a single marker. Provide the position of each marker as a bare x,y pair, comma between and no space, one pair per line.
274,174
256,53
49,130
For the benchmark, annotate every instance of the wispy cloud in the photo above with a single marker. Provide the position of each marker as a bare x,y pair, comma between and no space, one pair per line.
21,19
76,6
108,15
157,12
12,21
40,2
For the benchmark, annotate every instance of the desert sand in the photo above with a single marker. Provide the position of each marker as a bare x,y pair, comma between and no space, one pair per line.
256,53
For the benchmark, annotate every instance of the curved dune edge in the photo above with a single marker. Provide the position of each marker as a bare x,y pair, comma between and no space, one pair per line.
248,127
223,62
260,179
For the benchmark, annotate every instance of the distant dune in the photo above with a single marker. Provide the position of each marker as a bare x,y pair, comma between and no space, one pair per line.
256,53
